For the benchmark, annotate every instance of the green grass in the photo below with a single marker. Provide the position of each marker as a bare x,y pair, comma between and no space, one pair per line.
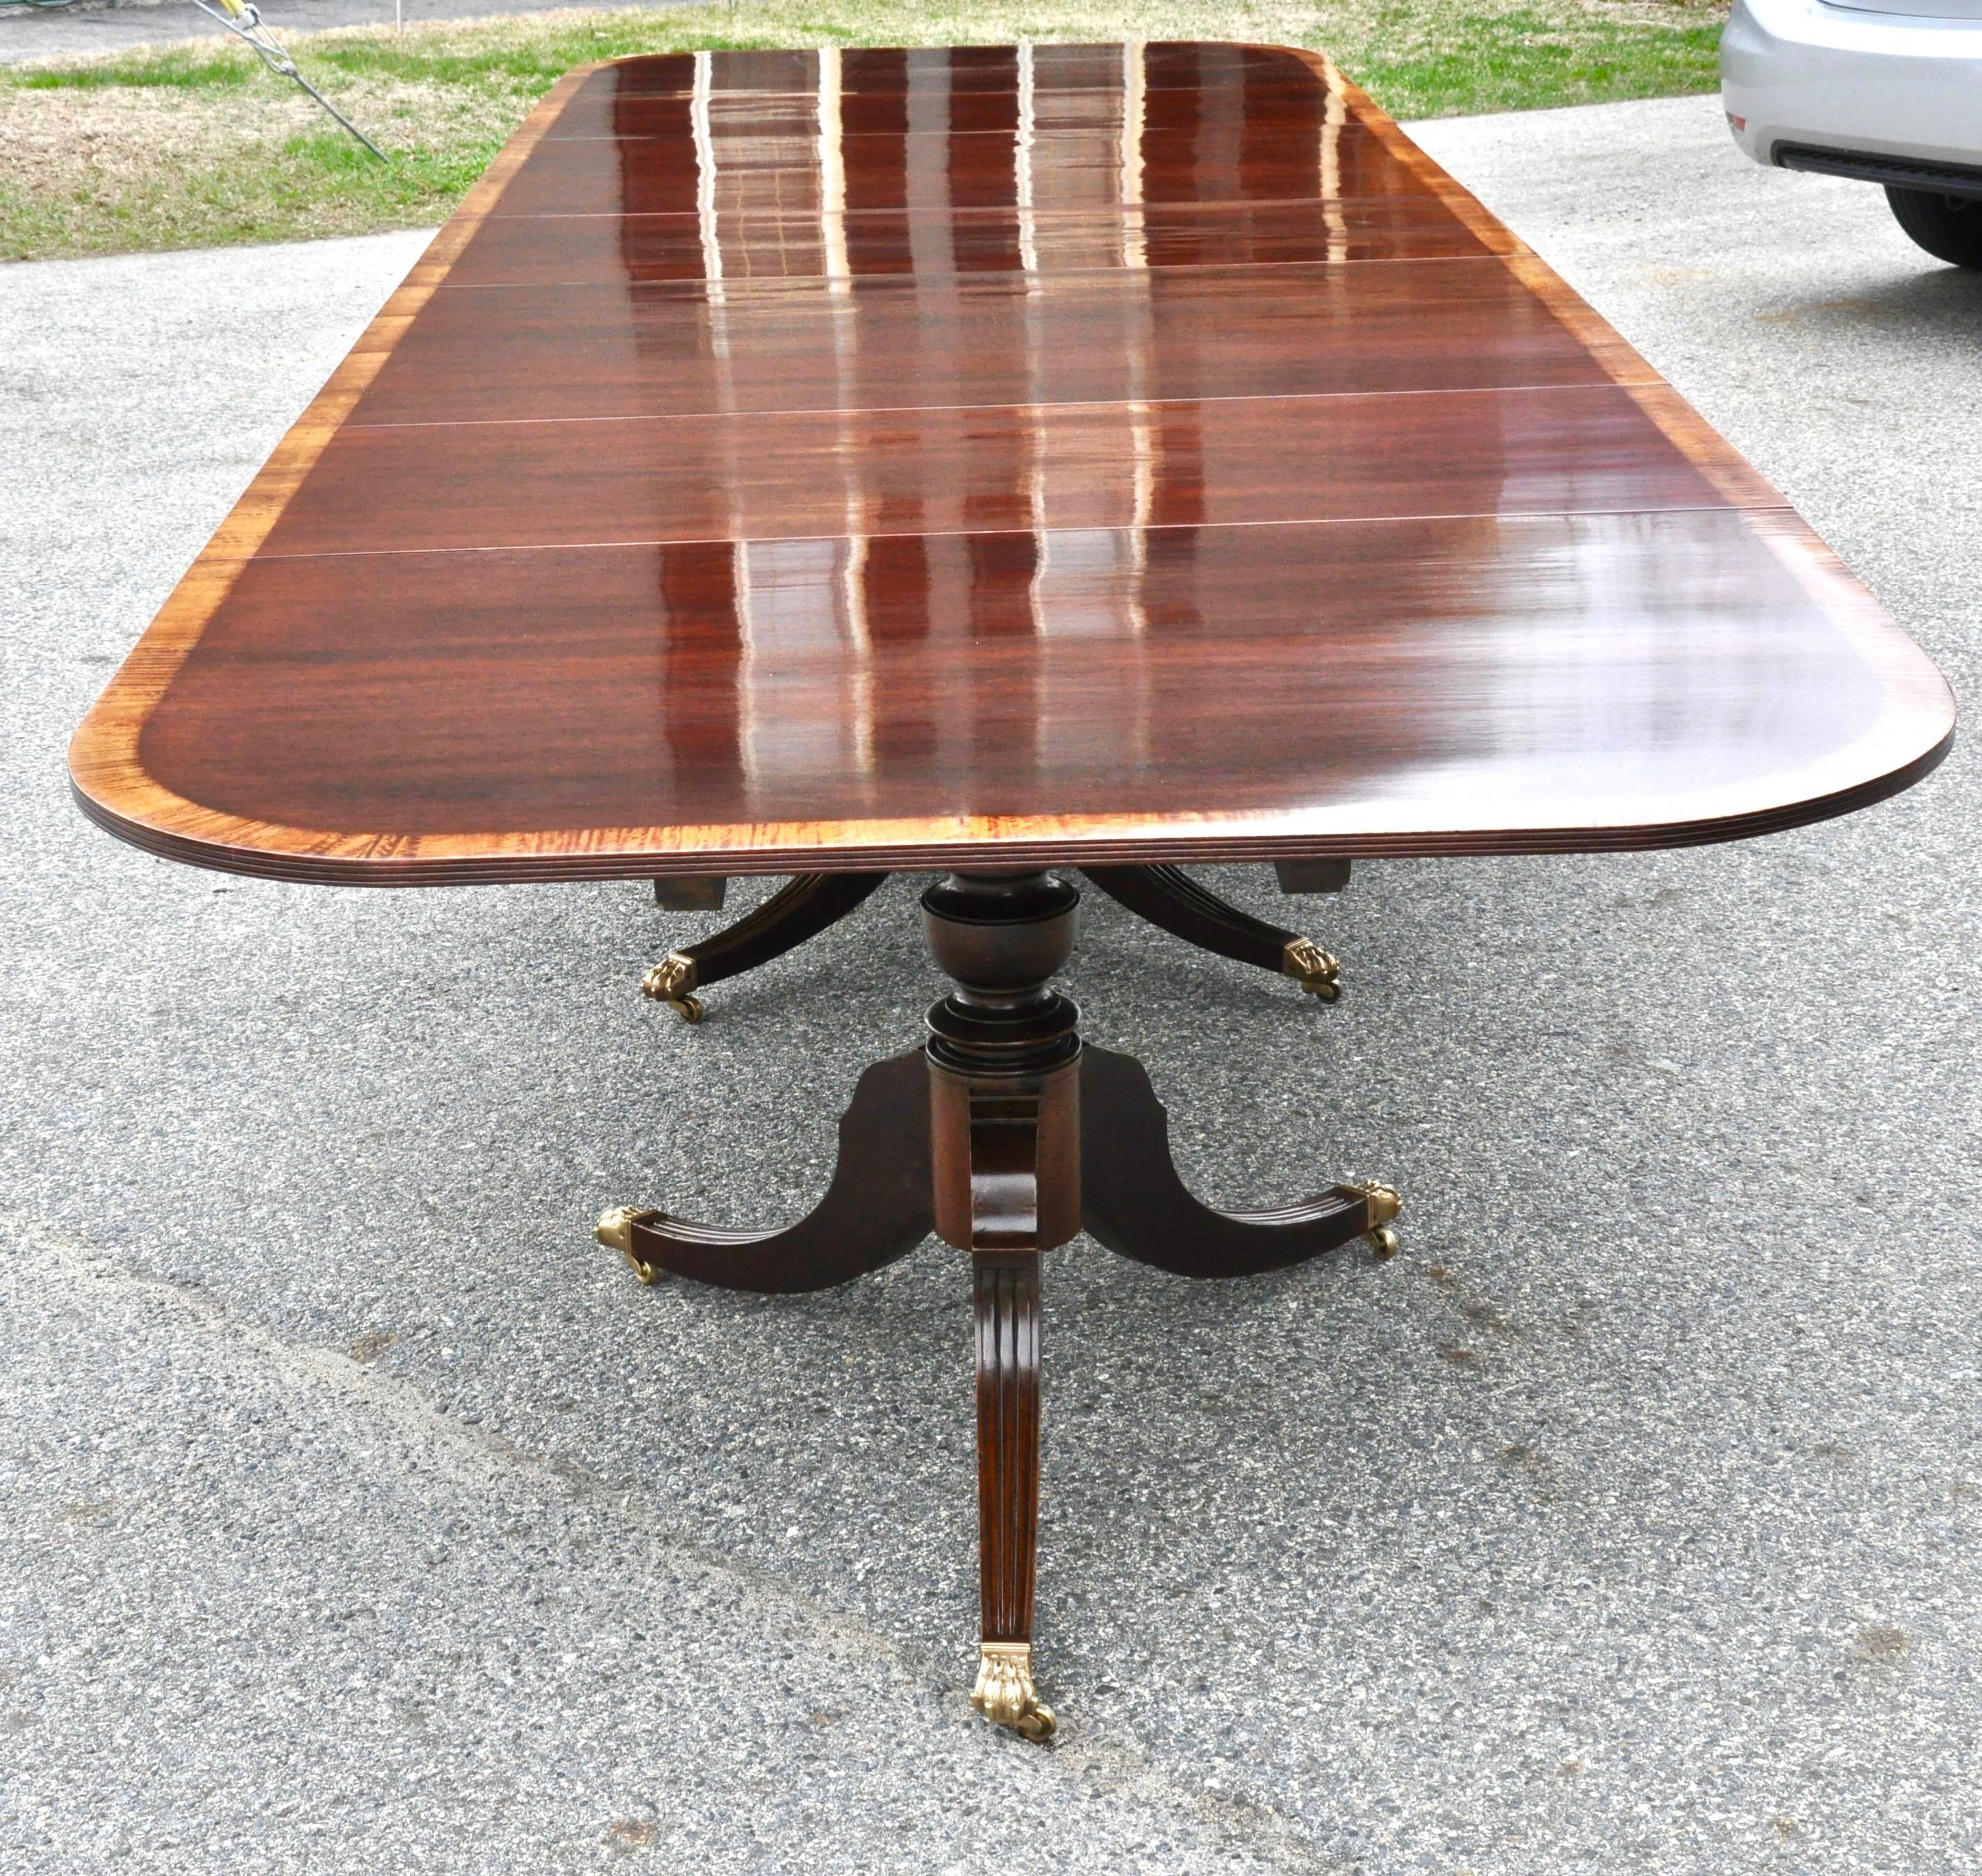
1525,60
196,145
540,64
178,68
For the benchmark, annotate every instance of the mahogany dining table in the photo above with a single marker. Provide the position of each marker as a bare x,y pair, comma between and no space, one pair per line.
1013,462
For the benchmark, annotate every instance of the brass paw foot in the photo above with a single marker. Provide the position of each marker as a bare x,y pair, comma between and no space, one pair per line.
615,1230
670,982
1314,968
1384,1202
1005,1693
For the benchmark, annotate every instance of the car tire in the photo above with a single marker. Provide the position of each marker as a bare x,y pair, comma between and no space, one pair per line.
1948,227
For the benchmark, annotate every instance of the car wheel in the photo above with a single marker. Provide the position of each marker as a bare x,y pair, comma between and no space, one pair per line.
1948,227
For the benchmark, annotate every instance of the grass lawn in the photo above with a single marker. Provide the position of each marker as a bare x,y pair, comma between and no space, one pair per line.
197,145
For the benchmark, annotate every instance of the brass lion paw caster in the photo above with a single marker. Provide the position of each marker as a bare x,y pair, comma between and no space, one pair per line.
671,982
615,1230
1005,1693
1316,971
1385,1202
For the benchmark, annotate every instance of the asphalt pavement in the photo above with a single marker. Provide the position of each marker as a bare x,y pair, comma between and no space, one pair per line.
357,1512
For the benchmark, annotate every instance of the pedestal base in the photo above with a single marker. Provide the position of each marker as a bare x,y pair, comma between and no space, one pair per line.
1005,1137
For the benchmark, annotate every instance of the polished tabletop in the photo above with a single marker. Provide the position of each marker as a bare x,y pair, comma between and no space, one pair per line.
790,461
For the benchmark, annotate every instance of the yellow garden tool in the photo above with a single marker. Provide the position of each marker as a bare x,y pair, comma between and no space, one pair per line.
243,19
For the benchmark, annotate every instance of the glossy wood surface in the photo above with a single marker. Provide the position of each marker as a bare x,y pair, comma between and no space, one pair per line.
1200,333
637,249
800,461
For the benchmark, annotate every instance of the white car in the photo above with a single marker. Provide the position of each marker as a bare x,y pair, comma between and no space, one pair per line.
1888,90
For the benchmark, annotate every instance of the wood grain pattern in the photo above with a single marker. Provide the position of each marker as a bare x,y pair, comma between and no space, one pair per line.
794,462
971,169
768,479
995,339
639,249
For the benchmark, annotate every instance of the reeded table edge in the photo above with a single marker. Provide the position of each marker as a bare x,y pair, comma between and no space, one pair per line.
972,841
113,789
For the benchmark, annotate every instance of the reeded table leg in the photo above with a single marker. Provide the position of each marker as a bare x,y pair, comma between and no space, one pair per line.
1169,897
797,911
1004,1095
1007,1290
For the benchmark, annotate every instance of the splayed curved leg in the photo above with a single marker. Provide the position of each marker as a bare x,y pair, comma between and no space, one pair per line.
877,1208
796,911
1167,896
1134,1202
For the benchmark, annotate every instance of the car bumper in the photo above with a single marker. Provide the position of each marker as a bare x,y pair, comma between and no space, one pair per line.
1801,74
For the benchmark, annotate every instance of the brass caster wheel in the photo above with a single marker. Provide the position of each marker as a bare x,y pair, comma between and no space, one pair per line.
1314,969
615,1230
670,982
1383,1243
1005,1693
